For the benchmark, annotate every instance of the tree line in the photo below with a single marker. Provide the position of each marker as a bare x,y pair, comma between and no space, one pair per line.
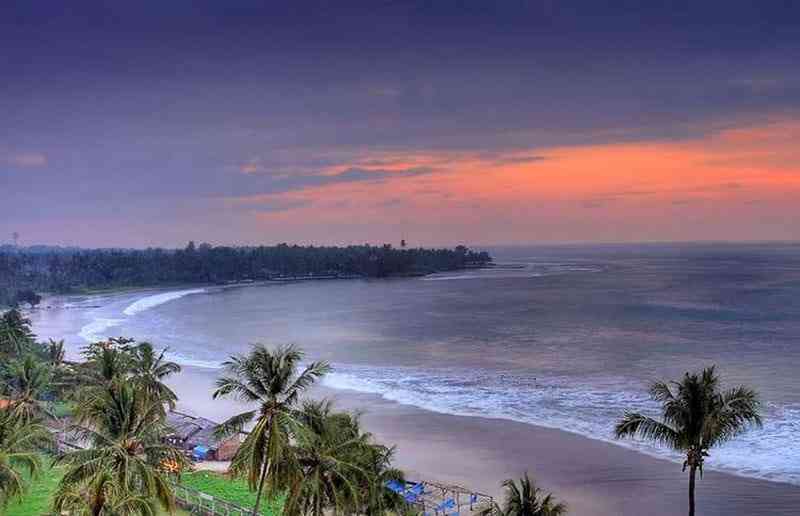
23,272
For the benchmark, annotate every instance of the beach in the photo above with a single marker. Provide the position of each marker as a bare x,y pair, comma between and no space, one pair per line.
478,376
596,478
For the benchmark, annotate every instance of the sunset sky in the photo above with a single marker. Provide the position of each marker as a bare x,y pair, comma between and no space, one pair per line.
153,123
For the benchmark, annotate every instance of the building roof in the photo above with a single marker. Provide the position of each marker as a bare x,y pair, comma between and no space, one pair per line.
193,430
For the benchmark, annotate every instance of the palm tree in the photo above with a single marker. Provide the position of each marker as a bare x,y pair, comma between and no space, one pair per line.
149,369
105,361
523,498
127,461
27,380
20,441
325,462
15,332
55,352
696,416
269,378
102,495
376,498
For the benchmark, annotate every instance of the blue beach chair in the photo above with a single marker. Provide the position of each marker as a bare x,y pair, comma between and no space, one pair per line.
394,485
447,504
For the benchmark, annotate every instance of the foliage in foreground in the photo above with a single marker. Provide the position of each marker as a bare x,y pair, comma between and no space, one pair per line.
697,415
20,440
272,381
121,414
38,497
523,498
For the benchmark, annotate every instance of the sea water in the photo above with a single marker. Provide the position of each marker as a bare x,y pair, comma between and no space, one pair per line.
566,337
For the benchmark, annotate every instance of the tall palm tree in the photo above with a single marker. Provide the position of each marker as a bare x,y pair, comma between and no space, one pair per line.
149,369
696,416
325,459
20,441
270,379
127,459
523,498
27,379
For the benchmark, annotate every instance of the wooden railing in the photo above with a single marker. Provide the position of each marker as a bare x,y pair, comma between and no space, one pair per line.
199,502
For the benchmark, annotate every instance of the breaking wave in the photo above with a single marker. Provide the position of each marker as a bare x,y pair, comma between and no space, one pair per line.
149,302
590,410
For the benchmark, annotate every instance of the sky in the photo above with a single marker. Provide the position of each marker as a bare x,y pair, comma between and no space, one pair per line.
149,123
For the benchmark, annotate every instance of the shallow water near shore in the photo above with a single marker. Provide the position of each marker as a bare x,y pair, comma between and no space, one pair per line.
565,337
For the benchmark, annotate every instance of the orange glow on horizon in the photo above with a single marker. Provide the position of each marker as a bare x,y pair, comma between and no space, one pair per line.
614,187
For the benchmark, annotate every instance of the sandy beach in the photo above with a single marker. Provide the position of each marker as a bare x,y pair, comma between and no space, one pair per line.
596,478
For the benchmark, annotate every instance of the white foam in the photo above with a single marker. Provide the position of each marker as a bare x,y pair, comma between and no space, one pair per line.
96,330
590,410
193,362
149,302
515,270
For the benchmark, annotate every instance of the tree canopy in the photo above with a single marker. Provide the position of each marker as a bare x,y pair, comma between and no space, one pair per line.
26,271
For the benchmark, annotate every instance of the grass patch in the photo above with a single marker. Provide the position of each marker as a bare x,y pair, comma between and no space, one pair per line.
63,409
37,498
231,490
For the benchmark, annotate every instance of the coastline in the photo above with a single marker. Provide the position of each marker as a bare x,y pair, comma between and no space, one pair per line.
595,477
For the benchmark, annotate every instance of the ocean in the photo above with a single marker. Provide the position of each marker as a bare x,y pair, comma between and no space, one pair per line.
567,337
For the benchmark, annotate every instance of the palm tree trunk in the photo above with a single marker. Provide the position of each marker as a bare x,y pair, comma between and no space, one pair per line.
263,477
692,473
264,469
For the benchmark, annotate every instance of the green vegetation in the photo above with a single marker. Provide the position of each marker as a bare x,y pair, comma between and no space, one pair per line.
26,271
320,459
38,498
271,380
121,412
230,489
20,441
523,498
697,416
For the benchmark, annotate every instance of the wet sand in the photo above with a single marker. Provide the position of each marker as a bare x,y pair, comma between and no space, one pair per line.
596,478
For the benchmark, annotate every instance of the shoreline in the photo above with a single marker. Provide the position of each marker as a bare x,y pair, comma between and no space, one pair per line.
595,477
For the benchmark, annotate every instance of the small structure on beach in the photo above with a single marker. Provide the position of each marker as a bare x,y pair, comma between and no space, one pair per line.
195,435
438,499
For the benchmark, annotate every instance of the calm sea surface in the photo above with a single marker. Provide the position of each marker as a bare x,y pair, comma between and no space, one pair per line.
564,337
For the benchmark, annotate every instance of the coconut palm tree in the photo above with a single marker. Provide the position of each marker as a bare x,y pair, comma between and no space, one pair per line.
149,369
376,498
523,498
105,361
102,495
270,379
696,416
127,459
20,441
27,380
325,458
55,352
15,332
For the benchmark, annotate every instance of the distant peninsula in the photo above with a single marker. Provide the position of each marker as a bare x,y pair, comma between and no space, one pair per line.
24,272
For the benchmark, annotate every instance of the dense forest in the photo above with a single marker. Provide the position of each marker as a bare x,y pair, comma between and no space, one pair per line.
26,271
